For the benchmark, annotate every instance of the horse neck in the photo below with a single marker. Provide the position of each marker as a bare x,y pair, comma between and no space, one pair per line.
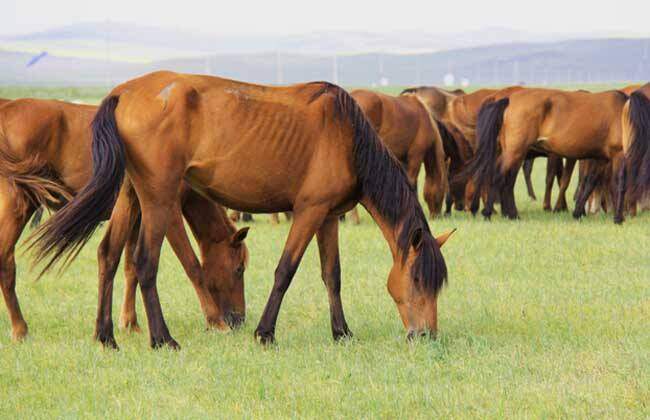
388,229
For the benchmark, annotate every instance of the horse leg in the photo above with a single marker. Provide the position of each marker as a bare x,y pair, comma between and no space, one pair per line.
306,223
528,170
120,227
620,193
354,215
551,171
590,181
567,172
180,243
449,201
128,315
493,189
508,204
247,217
328,247
11,226
275,219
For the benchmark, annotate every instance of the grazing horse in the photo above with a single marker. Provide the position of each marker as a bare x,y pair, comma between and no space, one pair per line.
634,175
461,113
313,152
407,130
577,125
45,158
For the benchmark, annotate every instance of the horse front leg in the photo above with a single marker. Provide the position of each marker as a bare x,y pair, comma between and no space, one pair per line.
328,247
306,222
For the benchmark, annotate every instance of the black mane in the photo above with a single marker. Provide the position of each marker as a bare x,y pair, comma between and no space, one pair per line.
383,181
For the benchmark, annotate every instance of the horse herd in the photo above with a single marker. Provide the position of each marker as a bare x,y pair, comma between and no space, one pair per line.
166,147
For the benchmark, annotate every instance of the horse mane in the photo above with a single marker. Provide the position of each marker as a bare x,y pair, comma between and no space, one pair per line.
383,181
410,90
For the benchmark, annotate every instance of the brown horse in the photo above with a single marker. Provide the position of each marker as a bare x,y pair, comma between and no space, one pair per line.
45,157
577,125
634,175
313,152
407,130
459,114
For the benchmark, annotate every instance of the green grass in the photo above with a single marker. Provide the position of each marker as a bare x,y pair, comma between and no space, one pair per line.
543,317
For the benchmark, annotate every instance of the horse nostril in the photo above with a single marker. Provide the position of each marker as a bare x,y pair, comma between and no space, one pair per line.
413,334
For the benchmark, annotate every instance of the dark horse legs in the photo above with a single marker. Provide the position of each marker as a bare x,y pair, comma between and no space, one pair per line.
306,223
328,247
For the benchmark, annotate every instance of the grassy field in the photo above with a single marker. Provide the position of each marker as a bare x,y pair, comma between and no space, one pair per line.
543,317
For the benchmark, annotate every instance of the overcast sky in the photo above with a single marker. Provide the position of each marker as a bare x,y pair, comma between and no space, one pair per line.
287,17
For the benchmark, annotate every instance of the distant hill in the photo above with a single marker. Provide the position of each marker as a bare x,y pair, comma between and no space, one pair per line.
563,62
136,43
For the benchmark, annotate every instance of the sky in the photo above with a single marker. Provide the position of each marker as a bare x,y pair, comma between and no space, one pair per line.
279,17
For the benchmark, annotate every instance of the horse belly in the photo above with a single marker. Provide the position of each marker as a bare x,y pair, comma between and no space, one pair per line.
247,188
569,147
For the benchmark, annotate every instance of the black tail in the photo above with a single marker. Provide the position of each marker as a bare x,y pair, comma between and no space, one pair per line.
637,158
483,167
64,234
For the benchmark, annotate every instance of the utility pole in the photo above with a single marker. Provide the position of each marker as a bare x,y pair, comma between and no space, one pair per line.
279,79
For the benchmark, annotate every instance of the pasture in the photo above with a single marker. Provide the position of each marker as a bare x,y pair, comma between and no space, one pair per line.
542,317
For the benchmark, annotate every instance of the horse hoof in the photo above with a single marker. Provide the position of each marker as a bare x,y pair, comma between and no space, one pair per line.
235,320
19,333
107,341
265,338
341,335
130,325
157,343
219,325
618,220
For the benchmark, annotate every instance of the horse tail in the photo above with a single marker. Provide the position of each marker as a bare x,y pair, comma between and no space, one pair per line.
483,167
637,157
65,233
32,180
436,180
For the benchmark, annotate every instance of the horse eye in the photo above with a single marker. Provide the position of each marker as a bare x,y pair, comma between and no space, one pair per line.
240,270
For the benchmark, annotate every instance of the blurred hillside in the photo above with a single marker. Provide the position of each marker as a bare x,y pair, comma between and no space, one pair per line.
108,53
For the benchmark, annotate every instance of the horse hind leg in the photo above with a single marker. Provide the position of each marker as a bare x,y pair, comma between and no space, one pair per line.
155,218
508,204
567,172
552,162
528,171
121,226
11,226
128,315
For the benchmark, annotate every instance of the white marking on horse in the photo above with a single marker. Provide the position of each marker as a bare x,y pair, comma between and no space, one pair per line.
237,92
164,94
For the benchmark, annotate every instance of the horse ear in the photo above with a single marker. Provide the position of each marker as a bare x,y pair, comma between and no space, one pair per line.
443,238
238,237
416,239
